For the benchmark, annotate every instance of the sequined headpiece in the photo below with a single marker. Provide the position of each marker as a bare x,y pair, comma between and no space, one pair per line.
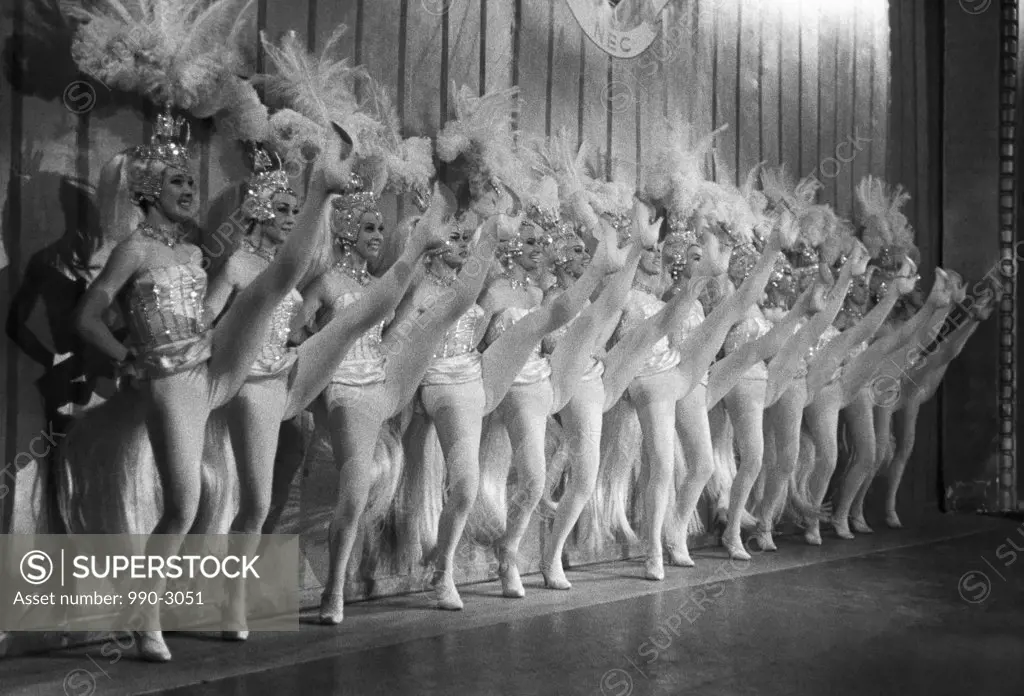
265,182
681,230
350,206
563,241
169,145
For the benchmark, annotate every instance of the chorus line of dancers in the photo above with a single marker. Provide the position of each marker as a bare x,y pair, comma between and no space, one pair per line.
624,351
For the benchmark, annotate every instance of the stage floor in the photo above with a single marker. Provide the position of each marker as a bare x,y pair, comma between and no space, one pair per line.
904,612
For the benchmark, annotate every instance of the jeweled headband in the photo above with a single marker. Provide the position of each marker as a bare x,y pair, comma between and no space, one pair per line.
681,230
266,182
349,208
169,145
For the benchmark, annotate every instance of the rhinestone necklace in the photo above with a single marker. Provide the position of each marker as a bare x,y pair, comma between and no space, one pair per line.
360,275
266,253
170,236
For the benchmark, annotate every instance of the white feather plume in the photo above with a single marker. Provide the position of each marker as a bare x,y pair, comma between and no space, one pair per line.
174,52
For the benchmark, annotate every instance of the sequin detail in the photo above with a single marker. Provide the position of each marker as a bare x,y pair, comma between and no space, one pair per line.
639,307
536,368
275,356
365,360
167,323
457,361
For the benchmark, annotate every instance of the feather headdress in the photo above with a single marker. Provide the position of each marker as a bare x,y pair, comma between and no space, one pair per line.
408,163
312,92
886,231
481,132
178,53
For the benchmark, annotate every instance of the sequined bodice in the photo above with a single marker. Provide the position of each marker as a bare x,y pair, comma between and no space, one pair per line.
281,327
460,338
364,362
750,329
641,306
165,306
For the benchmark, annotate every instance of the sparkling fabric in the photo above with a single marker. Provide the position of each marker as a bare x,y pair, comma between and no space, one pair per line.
750,329
457,361
536,368
364,363
167,324
275,356
639,307
827,337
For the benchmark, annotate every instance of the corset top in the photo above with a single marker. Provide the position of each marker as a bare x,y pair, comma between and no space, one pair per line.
165,305
750,329
459,339
368,346
281,324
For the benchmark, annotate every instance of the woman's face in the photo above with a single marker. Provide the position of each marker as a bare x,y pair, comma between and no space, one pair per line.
177,195
650,260
717,255
370,238
530,258
457,250
286,210
578,259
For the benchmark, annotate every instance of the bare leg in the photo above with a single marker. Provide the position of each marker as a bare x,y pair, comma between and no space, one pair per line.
525,414
176,423
905,426
581,420
745,404
254,419
860,422
456,411
784,420
822,418
355,417
883,455
655,399
694,433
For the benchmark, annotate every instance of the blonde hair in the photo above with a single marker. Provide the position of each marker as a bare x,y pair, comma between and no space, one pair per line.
323,250
119,214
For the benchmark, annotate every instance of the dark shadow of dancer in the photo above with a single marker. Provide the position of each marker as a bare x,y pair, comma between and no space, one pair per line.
57,276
